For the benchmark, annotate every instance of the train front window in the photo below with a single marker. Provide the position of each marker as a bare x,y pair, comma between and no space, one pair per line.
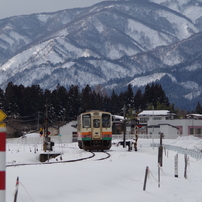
106,120
96,123
86,121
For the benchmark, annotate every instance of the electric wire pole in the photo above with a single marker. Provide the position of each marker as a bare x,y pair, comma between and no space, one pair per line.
46,133
124,127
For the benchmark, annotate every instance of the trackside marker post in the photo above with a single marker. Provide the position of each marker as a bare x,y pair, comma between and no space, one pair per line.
2,157
159,175
2,164
176,165
185,168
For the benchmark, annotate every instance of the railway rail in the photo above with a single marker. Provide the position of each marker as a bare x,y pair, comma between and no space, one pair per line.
93,155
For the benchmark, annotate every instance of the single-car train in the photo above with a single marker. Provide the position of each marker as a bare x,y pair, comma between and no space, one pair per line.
94,130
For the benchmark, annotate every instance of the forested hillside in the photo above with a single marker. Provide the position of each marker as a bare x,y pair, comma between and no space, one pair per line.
27,105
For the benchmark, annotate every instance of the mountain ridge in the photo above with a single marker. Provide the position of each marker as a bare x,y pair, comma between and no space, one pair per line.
109,41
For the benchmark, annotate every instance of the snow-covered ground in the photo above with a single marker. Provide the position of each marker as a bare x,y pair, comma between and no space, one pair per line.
119,178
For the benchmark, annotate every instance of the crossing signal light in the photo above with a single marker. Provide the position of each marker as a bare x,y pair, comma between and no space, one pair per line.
41,131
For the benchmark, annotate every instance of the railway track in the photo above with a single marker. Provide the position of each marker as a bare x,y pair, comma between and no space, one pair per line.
93,157
103,158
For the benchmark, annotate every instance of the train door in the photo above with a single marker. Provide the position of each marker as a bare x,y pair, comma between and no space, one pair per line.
96,129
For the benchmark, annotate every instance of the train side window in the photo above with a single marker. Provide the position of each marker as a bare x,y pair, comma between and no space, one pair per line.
86,121
106,120
96,123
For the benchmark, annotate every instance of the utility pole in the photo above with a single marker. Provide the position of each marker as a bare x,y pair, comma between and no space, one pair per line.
47,145
38,120
160,151
124,127
46,123
136,132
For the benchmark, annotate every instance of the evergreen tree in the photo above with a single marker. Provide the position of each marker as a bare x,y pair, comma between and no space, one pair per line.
11,99
114,103
96,101
73,104
129,99
198,108
21,101
32,101
106,104
63,96
146,97
154,95
86,99
2,99
47,103
58,101
122,103
55,106
161,96
138,100
46,96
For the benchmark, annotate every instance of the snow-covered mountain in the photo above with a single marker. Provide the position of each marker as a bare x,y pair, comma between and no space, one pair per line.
111,43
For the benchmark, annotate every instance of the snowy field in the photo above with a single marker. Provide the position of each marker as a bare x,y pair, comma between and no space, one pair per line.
119,178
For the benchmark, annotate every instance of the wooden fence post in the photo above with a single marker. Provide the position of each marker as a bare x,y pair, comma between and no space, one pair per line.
16,190
145,179
185,168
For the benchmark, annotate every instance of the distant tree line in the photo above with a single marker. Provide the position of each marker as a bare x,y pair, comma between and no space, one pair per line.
29,103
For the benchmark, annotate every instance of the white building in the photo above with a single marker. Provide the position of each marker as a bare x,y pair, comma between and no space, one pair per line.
161,121
67,132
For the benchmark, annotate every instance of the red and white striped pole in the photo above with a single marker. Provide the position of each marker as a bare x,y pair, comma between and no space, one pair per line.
2,163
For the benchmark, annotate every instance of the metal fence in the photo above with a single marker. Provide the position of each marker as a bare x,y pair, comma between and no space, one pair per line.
120,136
38,140
197,154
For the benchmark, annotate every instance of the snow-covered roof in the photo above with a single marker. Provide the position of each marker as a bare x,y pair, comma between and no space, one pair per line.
194,115
118,117
154,113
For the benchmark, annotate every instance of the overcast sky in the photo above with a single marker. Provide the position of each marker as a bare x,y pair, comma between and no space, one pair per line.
10,8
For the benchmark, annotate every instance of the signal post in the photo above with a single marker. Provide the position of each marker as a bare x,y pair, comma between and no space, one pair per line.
47,143
136,132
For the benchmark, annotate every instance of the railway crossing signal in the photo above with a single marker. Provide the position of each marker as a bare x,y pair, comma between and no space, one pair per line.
47,144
